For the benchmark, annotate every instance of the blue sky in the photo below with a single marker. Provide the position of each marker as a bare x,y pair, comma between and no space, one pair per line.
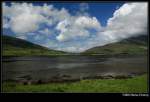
70,26
101,10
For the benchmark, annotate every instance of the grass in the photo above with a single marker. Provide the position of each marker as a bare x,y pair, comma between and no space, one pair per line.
133,85
118,48
17,47
29,52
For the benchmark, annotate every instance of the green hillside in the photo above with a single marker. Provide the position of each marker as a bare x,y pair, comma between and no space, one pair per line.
17,47
134,45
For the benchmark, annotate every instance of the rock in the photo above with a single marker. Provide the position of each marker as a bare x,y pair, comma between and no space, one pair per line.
107,77
66,76
121,77
39,82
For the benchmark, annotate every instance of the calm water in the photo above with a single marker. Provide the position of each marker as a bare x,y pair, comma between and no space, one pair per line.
44,68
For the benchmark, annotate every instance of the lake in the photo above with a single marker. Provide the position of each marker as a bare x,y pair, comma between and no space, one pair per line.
70,67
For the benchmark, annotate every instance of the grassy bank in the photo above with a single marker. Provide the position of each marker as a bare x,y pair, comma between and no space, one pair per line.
134,85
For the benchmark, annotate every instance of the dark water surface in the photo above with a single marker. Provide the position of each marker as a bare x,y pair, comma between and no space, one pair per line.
46,68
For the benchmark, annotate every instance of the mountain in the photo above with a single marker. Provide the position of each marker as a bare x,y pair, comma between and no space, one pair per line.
12,46
133,45
141,40
17,47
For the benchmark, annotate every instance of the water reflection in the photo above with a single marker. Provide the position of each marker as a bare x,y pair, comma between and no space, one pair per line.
18,68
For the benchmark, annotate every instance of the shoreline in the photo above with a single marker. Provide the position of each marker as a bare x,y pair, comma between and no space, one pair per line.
138,84
71,80
103,55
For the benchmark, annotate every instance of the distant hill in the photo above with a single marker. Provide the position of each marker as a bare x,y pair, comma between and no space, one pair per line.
140,40
12,46
17,47
133,45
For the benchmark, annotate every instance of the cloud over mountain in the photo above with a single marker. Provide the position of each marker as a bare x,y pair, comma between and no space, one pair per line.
59,29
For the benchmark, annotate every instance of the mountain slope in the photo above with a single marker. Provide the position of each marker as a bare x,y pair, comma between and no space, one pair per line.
133,45
17,47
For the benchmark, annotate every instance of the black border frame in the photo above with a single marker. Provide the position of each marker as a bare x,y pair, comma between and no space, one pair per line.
99,94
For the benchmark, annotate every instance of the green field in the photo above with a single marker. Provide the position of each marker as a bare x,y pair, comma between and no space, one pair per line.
137,84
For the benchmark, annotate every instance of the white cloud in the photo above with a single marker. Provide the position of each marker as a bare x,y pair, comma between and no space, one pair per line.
73,49
129,20
37,37
6,23
46,32
25,17
76,27
41,22
87,22
22,37
26,22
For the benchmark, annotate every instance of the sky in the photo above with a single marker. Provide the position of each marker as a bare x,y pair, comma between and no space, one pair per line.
74,27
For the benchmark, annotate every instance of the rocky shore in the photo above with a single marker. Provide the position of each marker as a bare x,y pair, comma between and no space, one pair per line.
27,80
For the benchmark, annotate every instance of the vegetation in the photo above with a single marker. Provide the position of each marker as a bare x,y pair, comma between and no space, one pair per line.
132,46
118,48
16,47
137,84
